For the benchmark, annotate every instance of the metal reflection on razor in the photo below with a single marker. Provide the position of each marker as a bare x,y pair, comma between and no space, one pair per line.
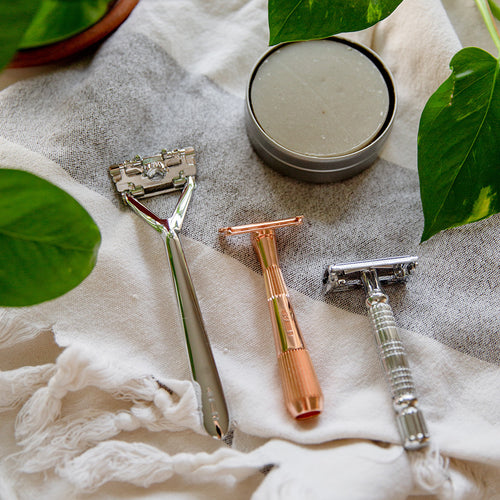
301,390
166,172
370,275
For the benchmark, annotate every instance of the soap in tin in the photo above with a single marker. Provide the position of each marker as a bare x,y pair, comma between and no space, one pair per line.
320,110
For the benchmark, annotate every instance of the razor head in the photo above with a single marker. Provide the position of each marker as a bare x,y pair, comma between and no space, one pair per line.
161,173
261,226
340,277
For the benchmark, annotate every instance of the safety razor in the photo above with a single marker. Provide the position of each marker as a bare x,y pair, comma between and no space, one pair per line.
301,390
370,275
166,172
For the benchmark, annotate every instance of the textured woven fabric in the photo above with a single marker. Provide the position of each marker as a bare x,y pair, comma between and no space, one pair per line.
80,373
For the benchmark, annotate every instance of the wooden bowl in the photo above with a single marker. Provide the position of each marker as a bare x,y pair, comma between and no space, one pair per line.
47,54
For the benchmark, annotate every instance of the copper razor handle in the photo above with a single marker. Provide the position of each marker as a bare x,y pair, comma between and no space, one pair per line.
301,390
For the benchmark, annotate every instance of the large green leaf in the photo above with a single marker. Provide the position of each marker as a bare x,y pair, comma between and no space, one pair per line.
59,19
294,20
15,17
459,145
48,242
495,9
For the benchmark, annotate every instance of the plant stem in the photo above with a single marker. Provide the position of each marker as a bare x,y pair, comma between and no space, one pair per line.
489,20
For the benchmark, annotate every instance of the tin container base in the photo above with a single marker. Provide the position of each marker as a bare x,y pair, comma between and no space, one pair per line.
301,170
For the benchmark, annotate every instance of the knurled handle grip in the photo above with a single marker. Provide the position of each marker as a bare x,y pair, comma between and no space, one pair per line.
301,390
392,354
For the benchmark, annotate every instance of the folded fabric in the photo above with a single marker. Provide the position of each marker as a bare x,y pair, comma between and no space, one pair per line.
96,396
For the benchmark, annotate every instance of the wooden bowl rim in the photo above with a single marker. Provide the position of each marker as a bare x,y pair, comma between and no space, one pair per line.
64,49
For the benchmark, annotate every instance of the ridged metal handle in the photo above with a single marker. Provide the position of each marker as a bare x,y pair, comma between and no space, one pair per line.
301,390
411,423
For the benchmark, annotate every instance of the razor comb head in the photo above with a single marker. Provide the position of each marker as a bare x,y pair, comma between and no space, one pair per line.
340,277
161,173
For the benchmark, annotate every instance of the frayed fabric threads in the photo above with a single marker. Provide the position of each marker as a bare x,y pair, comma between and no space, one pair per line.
429,469
77,369
80,447
16,386
144,465
66,438
14,331
50,440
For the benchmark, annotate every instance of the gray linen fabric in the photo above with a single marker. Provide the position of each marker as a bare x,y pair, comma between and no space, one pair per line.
173,76
130,97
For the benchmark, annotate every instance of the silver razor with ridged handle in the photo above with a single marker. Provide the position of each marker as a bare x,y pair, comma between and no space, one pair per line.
370,274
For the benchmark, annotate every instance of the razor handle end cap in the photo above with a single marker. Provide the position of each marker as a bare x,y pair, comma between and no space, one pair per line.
412,428
301,390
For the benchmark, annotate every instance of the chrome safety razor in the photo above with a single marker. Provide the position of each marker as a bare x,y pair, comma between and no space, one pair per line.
163,173
370,274
301,390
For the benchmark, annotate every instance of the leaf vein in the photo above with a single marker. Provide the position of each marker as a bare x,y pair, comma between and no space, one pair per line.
285,21
46,241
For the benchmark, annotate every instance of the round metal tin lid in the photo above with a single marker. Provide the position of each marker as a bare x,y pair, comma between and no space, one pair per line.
308,111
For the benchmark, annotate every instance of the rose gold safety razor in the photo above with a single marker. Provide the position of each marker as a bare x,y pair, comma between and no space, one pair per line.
301,390
370,274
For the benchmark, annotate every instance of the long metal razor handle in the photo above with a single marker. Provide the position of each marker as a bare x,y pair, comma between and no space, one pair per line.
204,371
301,390
410,420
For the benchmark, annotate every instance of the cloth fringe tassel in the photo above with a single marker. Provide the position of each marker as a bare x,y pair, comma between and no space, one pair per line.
49,440
144,465
76,369
429,469
16,386
13,331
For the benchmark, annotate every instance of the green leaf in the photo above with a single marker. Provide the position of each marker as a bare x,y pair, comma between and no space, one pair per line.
459,145
57,20
495,9
294,20
15,17
48,241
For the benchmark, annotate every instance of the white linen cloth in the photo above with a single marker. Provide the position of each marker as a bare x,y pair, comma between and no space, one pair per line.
85,413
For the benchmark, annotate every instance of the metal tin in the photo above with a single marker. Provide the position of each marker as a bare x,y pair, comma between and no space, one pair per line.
319,168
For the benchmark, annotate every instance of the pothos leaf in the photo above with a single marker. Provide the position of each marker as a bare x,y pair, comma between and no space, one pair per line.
459,144
294,20
57,20
495,9
15,17
48,241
